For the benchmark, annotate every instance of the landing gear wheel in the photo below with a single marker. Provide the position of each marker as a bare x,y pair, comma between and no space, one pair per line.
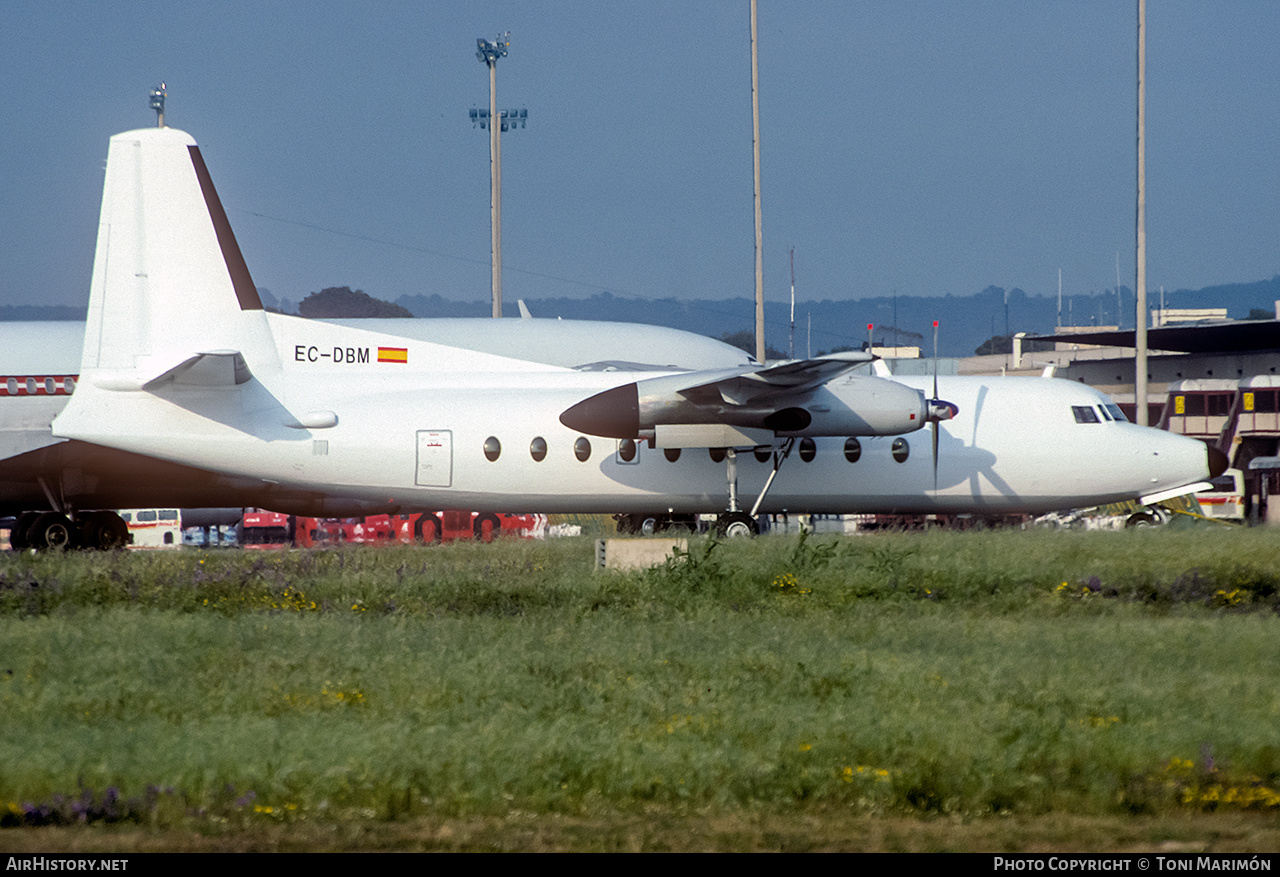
641,525
1142,519
52,531
736,525
103,531
18,535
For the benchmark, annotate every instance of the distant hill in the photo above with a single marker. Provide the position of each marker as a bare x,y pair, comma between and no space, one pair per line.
58,313
966,321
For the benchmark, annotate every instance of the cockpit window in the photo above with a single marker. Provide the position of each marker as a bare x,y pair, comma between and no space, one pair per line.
1116,414
1084,414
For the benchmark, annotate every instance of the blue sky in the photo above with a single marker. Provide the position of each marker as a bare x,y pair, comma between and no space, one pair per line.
922,147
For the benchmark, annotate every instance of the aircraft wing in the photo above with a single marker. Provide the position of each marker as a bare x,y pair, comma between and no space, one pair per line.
760,386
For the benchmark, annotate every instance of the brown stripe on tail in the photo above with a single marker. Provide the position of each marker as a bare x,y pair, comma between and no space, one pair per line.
246,292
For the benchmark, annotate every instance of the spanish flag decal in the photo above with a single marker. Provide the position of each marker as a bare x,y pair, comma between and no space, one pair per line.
393,354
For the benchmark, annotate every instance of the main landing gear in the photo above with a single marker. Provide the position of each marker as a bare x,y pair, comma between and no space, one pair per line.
648,525
51,531
733,522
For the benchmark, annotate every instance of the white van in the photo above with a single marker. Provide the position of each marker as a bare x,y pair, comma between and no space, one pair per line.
154,528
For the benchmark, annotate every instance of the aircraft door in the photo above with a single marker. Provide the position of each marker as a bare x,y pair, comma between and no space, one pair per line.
435,458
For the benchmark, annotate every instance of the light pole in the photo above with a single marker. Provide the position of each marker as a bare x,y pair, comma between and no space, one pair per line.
755,149
1140,285
488,53
157,103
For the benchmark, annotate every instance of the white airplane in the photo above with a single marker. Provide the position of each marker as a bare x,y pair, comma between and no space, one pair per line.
190,387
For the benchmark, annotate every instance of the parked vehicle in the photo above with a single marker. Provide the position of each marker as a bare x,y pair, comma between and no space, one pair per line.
153,528
1225,502
261,529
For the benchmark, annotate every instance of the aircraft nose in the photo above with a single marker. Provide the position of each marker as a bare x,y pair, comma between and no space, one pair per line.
1218,461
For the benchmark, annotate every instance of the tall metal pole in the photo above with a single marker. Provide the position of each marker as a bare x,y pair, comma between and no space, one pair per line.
495,187
489,53
755,148
791,342
1140,288
1119,301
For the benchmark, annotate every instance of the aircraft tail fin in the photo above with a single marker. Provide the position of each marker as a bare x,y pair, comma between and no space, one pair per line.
169,281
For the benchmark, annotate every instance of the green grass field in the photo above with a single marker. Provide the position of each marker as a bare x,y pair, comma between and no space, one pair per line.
999,690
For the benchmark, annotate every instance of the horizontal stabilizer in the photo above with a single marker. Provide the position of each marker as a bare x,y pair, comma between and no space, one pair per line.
219,368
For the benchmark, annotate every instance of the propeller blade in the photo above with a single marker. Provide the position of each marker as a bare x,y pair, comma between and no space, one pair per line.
933,424
935,369
939,409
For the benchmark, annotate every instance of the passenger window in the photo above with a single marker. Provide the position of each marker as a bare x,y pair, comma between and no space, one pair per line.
1084,414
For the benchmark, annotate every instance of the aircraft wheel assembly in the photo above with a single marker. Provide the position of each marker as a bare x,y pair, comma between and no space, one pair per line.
1152,517
103,531
52,531
736,525
18,540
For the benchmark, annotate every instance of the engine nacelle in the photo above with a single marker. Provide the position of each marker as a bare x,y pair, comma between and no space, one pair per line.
853,405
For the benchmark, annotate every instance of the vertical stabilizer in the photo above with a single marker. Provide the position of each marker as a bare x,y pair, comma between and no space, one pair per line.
169,280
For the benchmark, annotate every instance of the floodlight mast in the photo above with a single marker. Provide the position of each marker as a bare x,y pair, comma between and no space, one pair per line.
157,103
488,53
